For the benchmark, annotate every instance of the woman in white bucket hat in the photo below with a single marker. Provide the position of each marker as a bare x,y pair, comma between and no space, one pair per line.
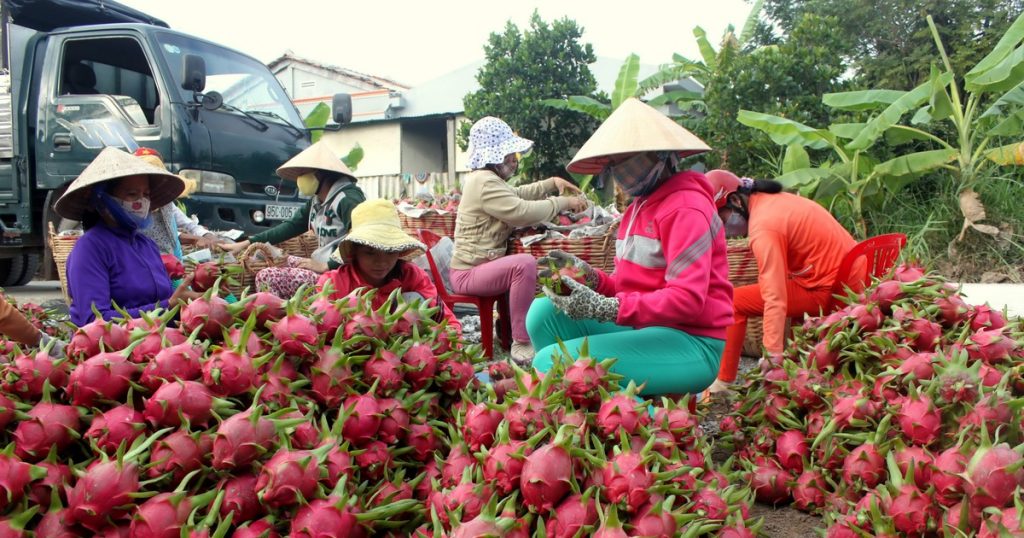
113,263
664,310
488,212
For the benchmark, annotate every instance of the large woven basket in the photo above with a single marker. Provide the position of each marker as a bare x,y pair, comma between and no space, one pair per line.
60,246
442,225
301,246
743,272
249,264
598,251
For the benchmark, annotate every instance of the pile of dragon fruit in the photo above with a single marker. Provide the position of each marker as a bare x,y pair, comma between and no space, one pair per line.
898,415
312,417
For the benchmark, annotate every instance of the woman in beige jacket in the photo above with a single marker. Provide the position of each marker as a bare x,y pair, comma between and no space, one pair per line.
488,212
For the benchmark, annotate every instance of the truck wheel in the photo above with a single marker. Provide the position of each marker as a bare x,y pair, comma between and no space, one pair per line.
14,272
31,262
5,269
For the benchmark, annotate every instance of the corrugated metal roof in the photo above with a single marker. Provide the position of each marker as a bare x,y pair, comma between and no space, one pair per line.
443,95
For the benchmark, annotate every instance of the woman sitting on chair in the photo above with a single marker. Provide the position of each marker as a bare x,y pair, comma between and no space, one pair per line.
798,246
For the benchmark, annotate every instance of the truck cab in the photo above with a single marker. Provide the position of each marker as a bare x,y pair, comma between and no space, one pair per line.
216,115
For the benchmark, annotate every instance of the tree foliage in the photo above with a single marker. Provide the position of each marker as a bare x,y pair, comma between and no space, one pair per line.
785,79
888,44
522,69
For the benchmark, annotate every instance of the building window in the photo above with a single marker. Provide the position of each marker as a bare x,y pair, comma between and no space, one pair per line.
308,84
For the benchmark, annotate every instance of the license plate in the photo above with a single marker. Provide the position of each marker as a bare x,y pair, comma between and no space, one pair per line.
280,212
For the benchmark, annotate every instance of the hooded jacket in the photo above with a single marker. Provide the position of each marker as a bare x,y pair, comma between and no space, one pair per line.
671,268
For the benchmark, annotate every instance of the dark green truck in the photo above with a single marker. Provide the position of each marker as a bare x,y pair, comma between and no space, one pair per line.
80,75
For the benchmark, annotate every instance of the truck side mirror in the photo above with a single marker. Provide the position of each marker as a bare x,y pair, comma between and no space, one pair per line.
341,106
193,76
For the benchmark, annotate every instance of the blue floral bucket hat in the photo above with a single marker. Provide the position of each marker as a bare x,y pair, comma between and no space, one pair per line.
490,140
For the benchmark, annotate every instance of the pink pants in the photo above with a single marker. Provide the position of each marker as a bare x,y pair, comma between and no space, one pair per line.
515,274
285,281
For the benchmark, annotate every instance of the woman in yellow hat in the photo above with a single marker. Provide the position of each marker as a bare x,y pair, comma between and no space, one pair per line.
664,311
113,263
375,253
318,172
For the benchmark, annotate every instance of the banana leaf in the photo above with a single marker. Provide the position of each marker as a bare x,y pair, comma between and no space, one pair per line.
802,177
1006,102
581,103
861,99
317,118
675,96
1012,125
916,163
750,25
1006,155
666,74
898,135
848,131
939,105
1001,77
355,155
706,50
1013,36
785,132
892,114
625,85
796,158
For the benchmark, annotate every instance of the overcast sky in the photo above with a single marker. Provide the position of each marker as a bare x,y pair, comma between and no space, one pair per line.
413,41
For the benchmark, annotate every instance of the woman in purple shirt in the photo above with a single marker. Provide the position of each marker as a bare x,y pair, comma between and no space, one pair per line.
113,263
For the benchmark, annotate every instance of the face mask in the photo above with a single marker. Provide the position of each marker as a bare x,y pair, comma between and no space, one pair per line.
137,208
637,175
735,225
308,184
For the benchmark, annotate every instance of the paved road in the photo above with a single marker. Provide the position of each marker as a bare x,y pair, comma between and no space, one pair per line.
996,295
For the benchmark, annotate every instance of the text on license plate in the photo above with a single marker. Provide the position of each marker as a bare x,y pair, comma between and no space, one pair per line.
280,212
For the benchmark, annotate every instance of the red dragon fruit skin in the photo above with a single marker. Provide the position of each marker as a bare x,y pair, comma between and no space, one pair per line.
866,464
260,528
47,425
362,424
913,512
240,498
161,516
330,377
571,515
267,307
103,492
95,337
122,424
179,400
324,517
15,475
105,376
582,381
990,480
178,453
229,373
545,480
420,365
503,469
290,475
180,361
627,479
919,419
239,440
209,314
620,412
480,425
30,372
296,334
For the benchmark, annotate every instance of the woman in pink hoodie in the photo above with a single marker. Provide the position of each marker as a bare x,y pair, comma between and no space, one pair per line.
664,310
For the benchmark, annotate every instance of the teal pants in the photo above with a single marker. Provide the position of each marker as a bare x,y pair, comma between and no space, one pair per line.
668,361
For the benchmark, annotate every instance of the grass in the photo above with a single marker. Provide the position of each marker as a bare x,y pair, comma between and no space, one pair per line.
929,214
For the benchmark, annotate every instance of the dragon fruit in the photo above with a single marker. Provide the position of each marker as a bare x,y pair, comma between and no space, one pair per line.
240,498
105,376
994,473
913,512
583,381
330,377
177,454
241,439
385,367
208,314
627,479
180,361
288,477
296,335
571,515
362,419
864,463
326,517
791,450
919,419
95,337
229,373
266,306
46,425
180,401
545,479
809,491
103,492
122,424
620,412
26,374
420,365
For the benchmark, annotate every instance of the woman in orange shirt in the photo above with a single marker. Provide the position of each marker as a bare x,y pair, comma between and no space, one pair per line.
798,246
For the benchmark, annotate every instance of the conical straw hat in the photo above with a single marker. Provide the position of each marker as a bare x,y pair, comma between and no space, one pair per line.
319,156
113,163
375,224
634,127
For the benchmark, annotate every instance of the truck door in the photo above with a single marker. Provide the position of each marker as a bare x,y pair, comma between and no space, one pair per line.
101,92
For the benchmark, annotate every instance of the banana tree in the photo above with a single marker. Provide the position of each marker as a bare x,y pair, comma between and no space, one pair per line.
851,174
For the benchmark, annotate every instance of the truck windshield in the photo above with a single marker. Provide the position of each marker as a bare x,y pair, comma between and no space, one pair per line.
245,83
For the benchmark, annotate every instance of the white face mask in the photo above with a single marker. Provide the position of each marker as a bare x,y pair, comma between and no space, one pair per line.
308,184
136,208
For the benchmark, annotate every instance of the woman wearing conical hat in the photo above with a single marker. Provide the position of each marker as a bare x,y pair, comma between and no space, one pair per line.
113,263
663,312
318,172
376,254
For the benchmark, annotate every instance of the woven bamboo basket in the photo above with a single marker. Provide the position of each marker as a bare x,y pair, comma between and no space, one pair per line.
248,264
301,246
61,246
743,272
598,251
442,225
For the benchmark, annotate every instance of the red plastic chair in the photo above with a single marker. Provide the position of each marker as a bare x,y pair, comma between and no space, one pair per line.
881,252
483,304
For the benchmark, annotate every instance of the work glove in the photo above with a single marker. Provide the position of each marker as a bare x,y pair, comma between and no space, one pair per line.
557,260
53,346
583,302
